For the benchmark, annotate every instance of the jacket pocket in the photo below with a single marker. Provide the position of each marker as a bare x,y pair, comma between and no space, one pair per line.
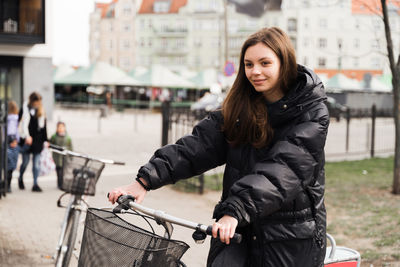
286,231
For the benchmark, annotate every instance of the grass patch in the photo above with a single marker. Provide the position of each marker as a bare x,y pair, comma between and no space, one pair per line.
361,209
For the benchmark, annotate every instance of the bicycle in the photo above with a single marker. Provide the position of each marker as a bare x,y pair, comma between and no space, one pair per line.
80,175
109,240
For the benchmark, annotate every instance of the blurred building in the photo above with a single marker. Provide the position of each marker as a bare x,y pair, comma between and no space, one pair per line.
329,36
339,36
26,50
112,33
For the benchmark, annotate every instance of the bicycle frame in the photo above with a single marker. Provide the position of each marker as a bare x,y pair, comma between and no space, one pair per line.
63,253
75,202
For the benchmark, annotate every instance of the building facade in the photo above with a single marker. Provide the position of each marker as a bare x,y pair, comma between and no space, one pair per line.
112,34
26,50
329,36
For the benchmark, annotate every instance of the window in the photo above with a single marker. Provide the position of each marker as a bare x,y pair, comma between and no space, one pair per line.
164,25
149,24
323,23
126,44
306,42
164,43
150,42
110,27
197,42
111,61
180,43
355,62
375,62
292,25
357,24
180,60
322,62
305,61
306,22
127,27
110,44
357,43
142,24
125,63
340,43
161,6
142,43
375,44
377,24
322,42
294,42
127,10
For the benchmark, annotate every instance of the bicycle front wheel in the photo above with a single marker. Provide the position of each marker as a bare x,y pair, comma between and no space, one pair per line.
65,252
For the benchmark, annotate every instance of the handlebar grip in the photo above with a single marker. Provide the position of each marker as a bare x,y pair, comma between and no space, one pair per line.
119,163
123,202
237,238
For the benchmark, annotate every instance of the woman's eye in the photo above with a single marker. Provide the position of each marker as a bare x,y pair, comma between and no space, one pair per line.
264,63
248,65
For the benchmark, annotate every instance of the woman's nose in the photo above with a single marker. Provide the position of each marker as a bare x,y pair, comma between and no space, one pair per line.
256,70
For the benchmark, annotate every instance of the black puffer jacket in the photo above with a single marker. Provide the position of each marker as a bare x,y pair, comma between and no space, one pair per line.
277,192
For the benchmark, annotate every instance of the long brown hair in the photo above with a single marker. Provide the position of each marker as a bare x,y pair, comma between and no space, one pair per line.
36,97
244,109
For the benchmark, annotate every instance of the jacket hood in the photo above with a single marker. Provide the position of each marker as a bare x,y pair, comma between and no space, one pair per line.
307,91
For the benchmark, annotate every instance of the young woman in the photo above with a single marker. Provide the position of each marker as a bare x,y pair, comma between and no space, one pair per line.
271,134
34,134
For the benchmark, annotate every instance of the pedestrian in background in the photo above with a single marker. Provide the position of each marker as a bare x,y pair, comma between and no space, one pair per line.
270,134
33,137
60,138
13,139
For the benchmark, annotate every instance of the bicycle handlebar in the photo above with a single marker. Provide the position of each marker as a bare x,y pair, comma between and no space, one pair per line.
64,151
128,201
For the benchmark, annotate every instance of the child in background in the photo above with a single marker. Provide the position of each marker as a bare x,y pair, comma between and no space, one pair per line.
13,139
60,138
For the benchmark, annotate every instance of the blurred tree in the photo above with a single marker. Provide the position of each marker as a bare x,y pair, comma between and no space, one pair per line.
395,69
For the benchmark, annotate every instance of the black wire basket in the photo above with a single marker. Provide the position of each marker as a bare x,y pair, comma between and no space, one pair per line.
80,175
109,240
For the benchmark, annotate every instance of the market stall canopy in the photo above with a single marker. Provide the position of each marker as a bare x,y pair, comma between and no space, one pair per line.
379,86
205,79
342,82
62,71
99,73
160,76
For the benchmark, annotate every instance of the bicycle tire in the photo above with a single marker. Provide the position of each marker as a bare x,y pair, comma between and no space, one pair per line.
69,238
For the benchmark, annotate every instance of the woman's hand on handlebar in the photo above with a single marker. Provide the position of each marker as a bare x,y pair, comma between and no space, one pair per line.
226,226
134,189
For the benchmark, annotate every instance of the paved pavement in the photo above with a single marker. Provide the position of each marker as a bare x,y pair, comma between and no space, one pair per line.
30,222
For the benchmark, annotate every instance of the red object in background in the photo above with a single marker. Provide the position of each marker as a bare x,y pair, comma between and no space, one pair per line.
342,264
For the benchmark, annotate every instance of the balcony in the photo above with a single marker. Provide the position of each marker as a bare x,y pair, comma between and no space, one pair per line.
22,22
170,32
171,51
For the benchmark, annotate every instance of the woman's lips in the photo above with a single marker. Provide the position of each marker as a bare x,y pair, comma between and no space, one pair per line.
259,81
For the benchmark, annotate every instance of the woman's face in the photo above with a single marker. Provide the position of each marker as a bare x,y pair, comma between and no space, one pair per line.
36,104
262,67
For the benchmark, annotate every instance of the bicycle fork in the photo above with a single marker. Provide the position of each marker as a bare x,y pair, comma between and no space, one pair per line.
70,206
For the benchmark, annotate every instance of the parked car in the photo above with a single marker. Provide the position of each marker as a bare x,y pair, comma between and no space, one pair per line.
336,110
207,103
